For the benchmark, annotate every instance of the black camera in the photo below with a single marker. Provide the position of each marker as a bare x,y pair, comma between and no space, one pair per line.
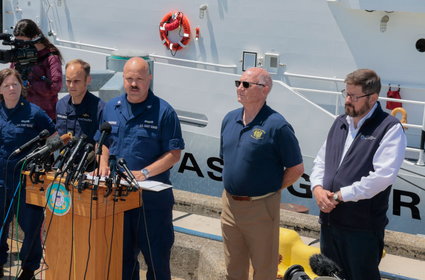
295,272
22,52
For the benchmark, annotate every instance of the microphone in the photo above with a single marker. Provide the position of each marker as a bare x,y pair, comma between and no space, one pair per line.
82,165
111,180
52,144
41,136
121,162
106,129
64,154
323,266
75,151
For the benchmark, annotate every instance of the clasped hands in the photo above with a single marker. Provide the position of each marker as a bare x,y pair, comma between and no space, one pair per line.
324,199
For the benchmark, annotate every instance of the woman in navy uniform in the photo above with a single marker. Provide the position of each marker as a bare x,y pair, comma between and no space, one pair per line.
20,121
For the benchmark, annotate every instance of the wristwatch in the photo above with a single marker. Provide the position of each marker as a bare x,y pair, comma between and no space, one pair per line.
336,197
145,173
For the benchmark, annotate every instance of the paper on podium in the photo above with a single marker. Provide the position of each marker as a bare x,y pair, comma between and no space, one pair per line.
153,186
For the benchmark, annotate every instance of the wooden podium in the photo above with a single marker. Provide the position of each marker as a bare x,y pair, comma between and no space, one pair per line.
78,213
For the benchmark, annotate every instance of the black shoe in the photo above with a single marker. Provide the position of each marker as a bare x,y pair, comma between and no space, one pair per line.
1,271
26,275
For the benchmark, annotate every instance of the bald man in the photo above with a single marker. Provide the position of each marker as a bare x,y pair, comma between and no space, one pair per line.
146,133
261,157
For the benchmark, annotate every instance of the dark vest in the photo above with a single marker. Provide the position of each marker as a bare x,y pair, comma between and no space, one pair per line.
366,214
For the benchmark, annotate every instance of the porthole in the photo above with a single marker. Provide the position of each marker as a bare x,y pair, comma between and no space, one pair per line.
420,45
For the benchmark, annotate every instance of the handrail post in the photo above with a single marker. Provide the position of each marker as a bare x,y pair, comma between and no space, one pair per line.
422,144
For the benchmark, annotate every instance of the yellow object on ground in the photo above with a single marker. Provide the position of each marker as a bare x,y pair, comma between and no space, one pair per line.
292,250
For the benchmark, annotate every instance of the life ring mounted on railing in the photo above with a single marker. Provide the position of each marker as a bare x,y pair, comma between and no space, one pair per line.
172,21
403,112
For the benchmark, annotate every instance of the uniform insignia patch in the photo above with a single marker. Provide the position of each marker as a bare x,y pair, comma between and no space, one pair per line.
258,134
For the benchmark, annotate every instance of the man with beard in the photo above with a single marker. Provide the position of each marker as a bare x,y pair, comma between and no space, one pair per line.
352,177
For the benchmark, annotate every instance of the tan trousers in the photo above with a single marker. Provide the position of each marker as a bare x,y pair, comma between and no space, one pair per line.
251,232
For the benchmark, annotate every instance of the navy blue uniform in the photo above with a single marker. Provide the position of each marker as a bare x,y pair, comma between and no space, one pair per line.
18,126
80,118
142,133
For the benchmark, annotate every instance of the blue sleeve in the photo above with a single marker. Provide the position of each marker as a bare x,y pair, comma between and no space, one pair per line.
171,133
100,118
43,121
288,147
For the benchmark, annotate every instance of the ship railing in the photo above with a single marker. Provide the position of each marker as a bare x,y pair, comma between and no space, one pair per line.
227,66
338,103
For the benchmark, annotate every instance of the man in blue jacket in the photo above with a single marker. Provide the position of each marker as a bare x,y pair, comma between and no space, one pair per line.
80,111
352,177
146,133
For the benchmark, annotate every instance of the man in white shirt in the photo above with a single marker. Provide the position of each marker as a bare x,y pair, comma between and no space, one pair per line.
352,177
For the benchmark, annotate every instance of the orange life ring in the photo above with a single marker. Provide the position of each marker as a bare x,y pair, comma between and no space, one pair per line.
171,21
401,110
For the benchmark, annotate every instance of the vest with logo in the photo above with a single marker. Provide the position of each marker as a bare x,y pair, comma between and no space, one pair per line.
366,214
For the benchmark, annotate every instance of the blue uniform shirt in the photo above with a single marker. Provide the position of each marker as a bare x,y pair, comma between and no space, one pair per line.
79,119
142,133
18,126
255,155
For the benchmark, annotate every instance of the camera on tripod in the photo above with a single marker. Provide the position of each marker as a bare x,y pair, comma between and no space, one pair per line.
22,52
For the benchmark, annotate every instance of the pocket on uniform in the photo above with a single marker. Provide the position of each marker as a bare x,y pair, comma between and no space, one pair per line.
146,144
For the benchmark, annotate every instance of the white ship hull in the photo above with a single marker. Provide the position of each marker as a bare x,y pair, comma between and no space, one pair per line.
316,43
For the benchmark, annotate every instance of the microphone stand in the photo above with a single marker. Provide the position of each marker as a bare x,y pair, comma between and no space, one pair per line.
97,176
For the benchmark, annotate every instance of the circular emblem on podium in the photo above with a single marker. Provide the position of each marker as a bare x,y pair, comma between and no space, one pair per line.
58,199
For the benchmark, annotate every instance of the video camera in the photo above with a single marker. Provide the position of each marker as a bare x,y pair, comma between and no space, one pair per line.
22,52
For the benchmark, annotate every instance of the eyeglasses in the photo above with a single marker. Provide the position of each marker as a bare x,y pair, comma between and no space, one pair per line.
246,84
353,97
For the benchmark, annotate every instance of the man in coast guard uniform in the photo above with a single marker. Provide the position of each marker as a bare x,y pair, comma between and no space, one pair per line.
20,121
146,133
80,111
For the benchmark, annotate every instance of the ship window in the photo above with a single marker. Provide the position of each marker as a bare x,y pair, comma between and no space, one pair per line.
249,59
420,45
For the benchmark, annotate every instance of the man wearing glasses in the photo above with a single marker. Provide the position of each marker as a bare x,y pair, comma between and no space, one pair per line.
352,177
261,156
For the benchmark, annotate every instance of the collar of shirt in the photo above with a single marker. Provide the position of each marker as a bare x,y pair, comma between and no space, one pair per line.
129,111
6,113
259,118
352,131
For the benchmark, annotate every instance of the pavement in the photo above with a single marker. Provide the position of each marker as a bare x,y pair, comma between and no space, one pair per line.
203,227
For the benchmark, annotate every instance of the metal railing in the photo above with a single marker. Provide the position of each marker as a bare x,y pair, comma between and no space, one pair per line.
230,66
338,96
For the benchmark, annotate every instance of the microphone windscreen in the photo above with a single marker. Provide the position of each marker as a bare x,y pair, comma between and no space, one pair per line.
316,265
106,127
323,266
91,162
65,138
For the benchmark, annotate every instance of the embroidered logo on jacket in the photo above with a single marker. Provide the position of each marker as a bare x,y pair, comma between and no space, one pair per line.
258,134
367,137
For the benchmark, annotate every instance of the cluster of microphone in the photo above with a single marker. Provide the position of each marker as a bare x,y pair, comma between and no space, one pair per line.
76,157
320,265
